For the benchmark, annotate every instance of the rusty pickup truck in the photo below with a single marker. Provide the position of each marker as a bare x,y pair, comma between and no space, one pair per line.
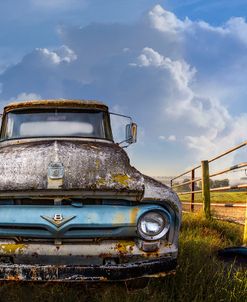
72,208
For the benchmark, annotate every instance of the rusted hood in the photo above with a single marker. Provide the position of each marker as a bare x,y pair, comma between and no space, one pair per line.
88,166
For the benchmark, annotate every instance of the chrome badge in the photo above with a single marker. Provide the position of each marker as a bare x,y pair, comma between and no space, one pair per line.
55,170
58,220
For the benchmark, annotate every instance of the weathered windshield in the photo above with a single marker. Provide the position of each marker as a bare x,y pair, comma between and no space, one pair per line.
57,122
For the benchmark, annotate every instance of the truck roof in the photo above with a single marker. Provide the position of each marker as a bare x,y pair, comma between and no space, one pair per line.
65,103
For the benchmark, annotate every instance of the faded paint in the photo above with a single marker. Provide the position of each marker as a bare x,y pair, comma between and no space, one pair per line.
119,218
88,166
133,215
93,167
157,191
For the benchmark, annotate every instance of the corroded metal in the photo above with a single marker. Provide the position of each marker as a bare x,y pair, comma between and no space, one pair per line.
83,253
57,103
155,190
88,273
88,166
68,243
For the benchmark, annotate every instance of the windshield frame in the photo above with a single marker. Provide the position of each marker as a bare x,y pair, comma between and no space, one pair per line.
106,122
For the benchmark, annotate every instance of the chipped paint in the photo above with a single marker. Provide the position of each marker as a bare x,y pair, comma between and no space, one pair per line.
12,248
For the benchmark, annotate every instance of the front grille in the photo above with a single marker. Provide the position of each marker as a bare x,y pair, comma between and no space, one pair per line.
77,202
68,233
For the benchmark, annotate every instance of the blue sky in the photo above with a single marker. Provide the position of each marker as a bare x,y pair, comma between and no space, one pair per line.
178,67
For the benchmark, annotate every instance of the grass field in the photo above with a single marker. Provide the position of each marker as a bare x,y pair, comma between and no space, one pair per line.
220,197
200,275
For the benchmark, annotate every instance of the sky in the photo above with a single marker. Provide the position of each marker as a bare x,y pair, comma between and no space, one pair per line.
179,68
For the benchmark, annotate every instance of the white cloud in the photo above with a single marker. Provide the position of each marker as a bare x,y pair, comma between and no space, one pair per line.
62,54
25,97
166,21
170,138
179,78
20,97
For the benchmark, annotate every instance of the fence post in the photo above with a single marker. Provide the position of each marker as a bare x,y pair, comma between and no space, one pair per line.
245,227
192,196
205,188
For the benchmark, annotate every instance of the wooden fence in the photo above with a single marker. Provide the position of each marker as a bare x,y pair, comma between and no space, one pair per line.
205,183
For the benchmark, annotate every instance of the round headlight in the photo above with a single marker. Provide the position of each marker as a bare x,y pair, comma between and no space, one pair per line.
153,225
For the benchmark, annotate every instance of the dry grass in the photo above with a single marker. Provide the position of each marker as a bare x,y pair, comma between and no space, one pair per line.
220,197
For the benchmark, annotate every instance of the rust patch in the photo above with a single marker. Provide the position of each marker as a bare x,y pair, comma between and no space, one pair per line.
151,254
12,248
133,215
88,104
124,247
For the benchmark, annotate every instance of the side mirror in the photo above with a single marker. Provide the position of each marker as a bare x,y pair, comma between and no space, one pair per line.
1,119
131,133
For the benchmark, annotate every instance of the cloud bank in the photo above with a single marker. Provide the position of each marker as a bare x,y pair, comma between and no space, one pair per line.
181,79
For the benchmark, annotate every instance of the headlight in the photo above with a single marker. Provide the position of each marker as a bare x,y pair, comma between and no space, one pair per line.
153,225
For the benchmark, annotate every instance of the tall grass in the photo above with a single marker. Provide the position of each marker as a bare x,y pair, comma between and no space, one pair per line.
200,275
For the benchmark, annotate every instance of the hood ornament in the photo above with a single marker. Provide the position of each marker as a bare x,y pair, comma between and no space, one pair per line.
55,170
58,220
55,175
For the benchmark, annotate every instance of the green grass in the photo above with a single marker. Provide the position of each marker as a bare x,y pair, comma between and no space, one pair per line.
220,197
200,276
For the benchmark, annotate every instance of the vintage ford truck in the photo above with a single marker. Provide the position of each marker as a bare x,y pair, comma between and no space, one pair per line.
72,208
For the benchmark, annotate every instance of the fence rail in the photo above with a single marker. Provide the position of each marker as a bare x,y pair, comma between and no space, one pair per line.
205,183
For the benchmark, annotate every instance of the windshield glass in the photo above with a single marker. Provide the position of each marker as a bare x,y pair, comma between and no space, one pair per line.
57,122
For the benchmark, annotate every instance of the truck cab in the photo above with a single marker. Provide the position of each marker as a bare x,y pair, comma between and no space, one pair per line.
72,208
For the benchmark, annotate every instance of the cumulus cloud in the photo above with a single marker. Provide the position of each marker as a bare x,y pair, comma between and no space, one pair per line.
62,54
175,76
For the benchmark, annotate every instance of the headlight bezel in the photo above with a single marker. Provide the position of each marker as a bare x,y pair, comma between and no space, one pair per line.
165,228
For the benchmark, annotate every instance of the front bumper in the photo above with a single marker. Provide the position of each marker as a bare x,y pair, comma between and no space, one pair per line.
121,272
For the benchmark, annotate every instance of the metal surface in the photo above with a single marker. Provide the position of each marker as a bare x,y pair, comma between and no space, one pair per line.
119,272
93,241
228,151
88,221
81,253
57,103
88,166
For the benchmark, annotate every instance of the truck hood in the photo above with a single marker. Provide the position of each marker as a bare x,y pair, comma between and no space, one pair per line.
90,167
